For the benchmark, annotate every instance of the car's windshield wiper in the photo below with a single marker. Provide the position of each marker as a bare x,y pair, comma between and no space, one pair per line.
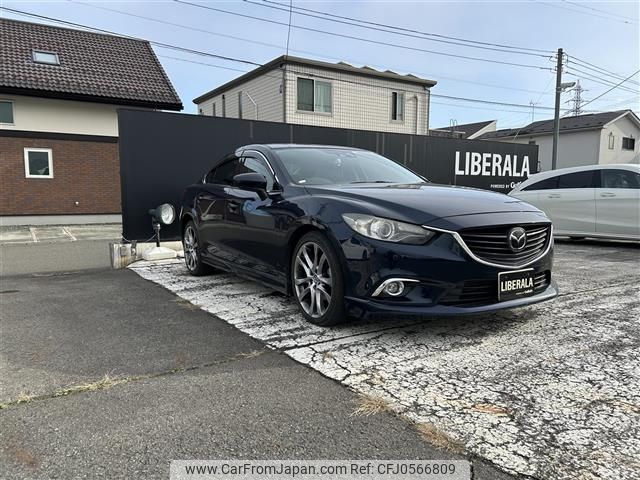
372,181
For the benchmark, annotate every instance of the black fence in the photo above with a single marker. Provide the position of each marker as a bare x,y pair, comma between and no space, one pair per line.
162,153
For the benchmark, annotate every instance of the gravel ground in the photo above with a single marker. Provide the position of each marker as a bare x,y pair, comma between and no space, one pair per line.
550,391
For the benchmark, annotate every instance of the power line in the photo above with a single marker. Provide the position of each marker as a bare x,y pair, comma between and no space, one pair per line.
413,31
612,88
602,81
361,39
564,7
110,32
278,47
633,20
597,69
385,29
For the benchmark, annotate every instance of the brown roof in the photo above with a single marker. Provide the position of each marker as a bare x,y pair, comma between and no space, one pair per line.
93,67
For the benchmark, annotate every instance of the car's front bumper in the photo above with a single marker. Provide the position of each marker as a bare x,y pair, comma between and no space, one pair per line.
446,279
373,307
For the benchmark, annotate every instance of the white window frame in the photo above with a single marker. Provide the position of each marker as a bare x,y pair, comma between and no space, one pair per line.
399,94
314,111
34,51
612,141
13,111
26,162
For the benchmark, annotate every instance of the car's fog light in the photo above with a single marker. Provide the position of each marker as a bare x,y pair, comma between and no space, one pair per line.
395,289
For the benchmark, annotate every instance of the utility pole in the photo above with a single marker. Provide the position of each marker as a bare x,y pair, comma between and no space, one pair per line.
556,118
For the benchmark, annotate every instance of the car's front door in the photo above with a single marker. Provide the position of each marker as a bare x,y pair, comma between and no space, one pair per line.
618,203
252,231
571,206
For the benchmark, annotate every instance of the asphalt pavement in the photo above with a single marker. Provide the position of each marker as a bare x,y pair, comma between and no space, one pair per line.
106,375
549,391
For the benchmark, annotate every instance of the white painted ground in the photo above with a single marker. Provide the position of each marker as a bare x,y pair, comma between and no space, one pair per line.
551,391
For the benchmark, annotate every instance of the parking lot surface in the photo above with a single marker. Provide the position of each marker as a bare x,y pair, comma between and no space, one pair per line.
107,375
550,391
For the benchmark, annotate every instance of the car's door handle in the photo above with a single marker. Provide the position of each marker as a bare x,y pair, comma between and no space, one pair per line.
607,194
553,195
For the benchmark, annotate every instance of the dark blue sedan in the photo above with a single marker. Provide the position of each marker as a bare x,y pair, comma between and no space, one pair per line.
348,232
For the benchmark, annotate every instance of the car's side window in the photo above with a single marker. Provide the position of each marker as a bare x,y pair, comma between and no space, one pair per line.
223,174
546,184
257,165
616,178
584,179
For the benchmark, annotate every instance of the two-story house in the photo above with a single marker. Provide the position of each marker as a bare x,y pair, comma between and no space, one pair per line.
310,92
60,90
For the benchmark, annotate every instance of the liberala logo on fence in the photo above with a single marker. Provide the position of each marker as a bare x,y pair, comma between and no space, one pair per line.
492,165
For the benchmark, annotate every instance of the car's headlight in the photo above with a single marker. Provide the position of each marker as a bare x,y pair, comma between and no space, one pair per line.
387,230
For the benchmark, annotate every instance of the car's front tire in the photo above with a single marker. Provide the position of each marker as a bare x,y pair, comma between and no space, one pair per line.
191,247
317,281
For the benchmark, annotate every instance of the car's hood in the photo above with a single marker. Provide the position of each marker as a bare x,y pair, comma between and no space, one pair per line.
421,203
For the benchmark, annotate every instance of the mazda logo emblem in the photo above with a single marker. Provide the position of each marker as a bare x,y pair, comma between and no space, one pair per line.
517,239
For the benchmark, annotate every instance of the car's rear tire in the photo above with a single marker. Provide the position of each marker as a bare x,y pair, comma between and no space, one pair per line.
191,246
317,282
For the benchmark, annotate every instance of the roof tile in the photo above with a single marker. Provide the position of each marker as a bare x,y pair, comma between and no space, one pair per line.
105,68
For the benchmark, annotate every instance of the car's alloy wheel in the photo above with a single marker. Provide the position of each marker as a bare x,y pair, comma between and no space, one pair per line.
312,279
191,253
316,280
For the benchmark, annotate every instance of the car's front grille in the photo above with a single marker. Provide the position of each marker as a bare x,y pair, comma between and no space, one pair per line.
492,244
475,293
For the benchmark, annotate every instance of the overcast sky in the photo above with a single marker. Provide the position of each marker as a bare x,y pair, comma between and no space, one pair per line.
605,34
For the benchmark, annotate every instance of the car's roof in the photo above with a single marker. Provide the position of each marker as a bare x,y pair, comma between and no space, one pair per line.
282,146
561,171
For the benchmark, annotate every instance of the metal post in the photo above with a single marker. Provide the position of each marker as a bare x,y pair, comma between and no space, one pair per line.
556,118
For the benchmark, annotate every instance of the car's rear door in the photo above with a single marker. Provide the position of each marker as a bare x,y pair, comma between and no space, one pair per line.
618,203
571,205
210,204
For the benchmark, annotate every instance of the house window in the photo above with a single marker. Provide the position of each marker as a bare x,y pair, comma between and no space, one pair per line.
612,141
314,95
397,106
224,106
50,58
38,163
199,111
214,110
6,111
628,143
240,104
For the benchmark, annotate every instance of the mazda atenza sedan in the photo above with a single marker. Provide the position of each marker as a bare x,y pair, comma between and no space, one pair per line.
348,232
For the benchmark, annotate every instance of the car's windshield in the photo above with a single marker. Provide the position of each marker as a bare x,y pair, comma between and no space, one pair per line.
327,166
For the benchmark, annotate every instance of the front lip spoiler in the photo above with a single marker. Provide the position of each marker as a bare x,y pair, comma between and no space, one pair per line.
373,305
464,246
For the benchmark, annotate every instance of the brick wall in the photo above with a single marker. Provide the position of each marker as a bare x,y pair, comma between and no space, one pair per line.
87,172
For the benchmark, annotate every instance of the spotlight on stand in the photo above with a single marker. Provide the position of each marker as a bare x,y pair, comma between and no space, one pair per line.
165,214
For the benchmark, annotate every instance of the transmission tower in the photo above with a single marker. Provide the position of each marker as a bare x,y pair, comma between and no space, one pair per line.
577,101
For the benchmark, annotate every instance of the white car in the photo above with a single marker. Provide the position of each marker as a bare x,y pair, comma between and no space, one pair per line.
601,201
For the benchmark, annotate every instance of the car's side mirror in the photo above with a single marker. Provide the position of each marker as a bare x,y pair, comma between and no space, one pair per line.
251,181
